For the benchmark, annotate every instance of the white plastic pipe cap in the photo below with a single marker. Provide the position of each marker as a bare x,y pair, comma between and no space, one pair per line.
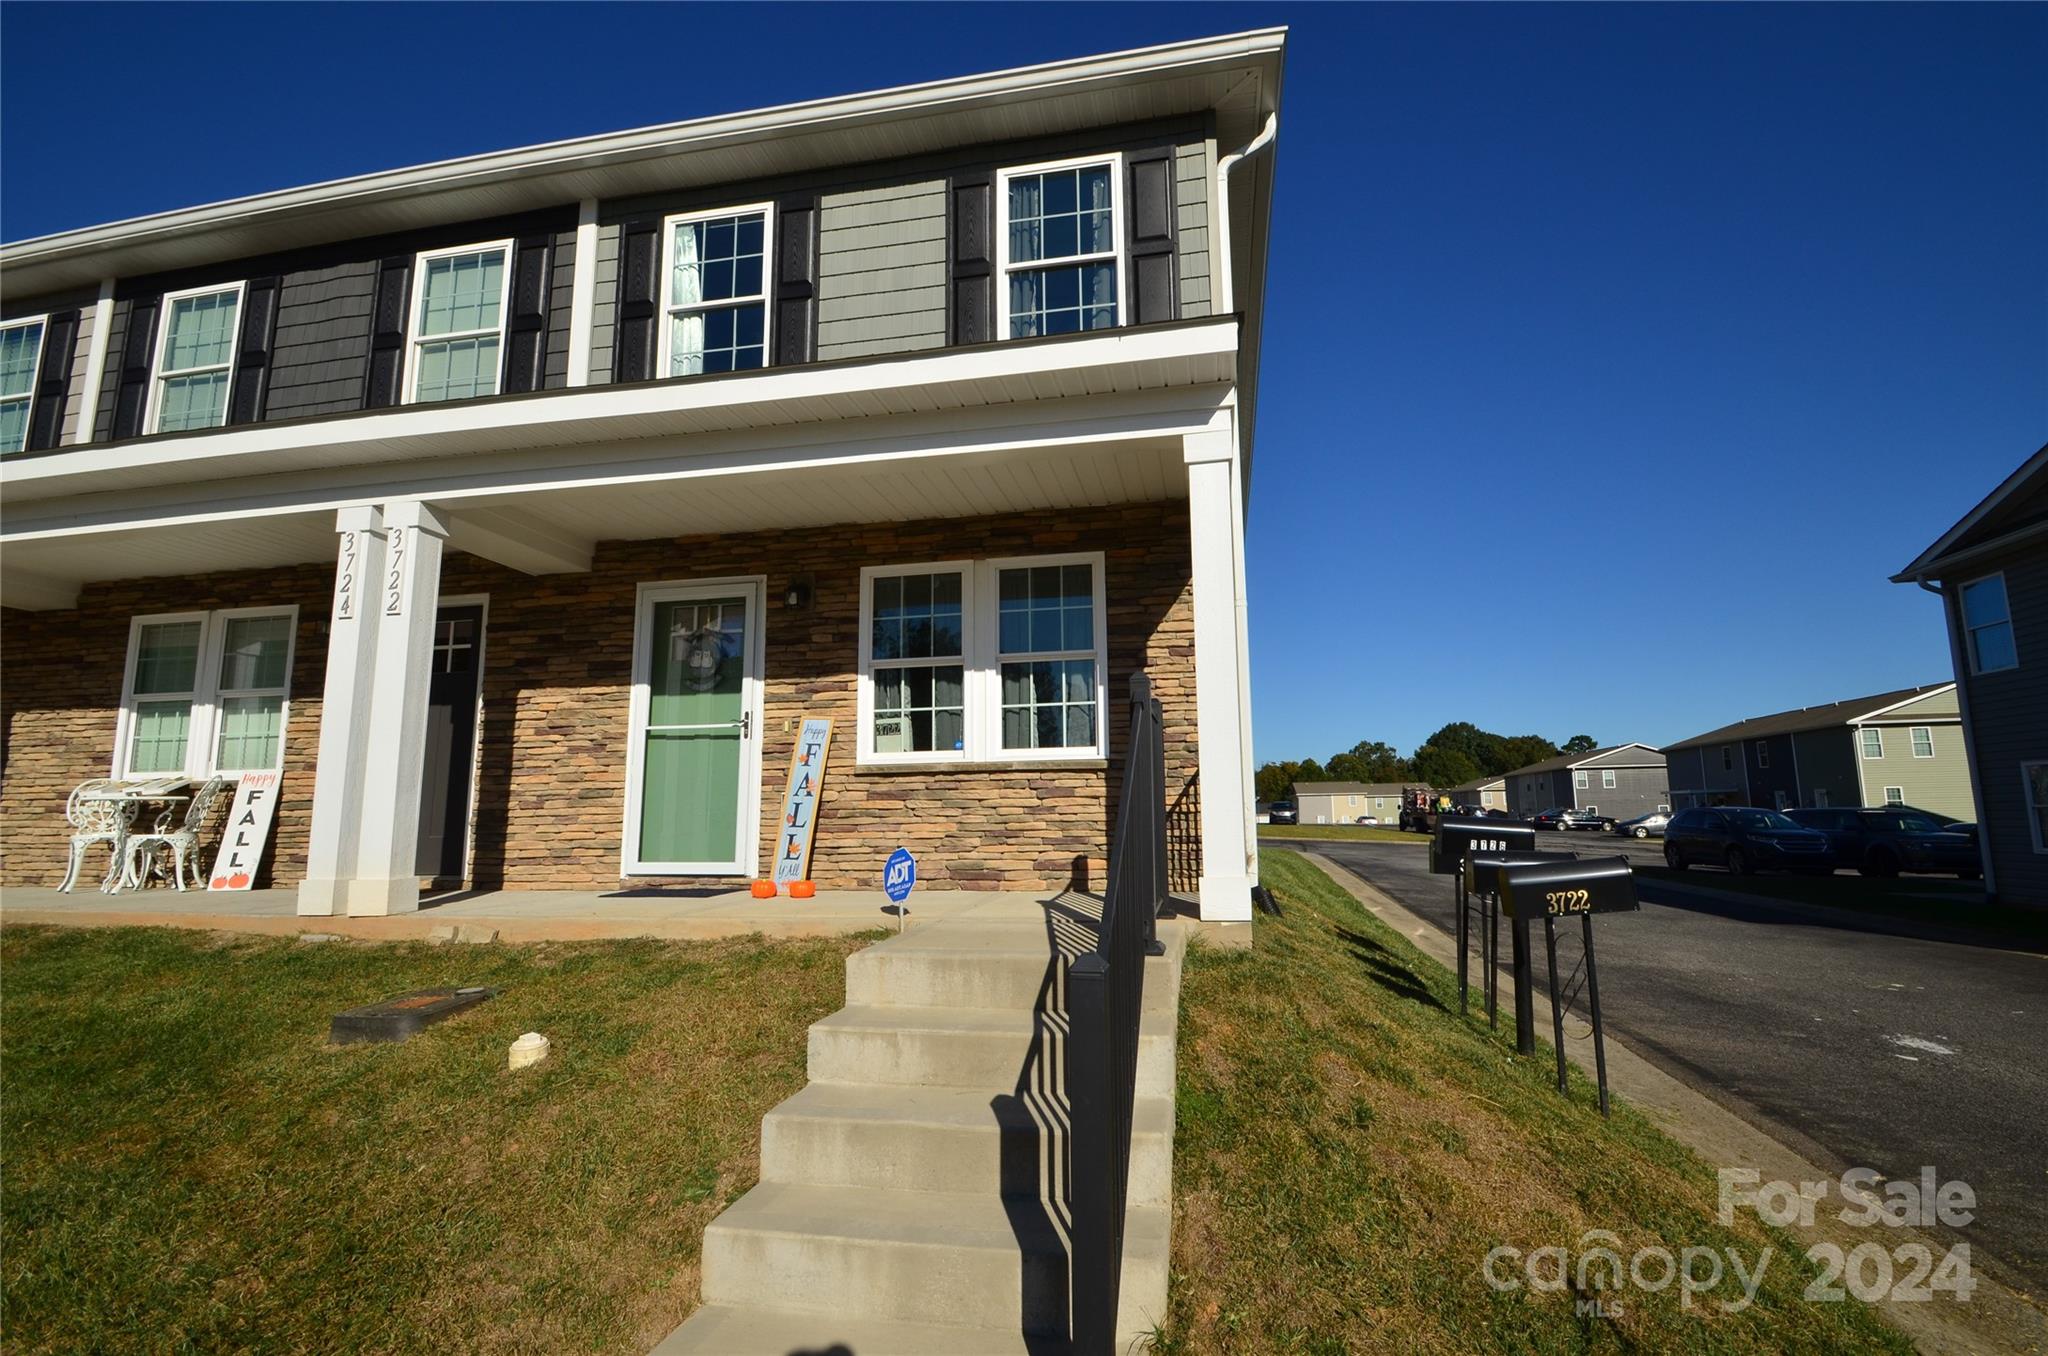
531,1048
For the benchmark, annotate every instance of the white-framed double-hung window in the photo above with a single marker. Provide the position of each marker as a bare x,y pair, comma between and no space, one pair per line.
983,661
206,692
1059,247
457,322
195,359
1923,741
21,358
715,291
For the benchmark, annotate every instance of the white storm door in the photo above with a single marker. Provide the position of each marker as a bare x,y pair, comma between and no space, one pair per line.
693,776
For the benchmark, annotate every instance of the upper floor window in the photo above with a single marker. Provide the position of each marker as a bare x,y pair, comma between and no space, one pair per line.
458,330
715,302
1873,742
1987,618
1923,741
1060,248
1606,781
21,353
1579,781
195,359
1727,758
206,692
1763,753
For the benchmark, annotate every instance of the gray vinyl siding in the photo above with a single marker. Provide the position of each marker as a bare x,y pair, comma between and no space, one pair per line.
882,270
1636,791
1827,763
1770,776
561,297
74,398
604,309
2009,726
320,359
1191,197
110,375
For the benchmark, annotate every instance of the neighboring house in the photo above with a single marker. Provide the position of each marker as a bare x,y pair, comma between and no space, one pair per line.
1897,748
518,507
1344,802
1620,781
1488,793
1991,572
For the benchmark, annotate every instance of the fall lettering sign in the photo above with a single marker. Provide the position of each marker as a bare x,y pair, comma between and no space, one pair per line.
800,801
241,846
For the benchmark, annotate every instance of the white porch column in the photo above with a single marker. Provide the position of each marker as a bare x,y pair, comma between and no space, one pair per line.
344,711
404,599
1229,863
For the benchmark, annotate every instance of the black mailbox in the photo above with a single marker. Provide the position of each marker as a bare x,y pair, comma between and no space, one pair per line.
1457,838
1563,889
1482,869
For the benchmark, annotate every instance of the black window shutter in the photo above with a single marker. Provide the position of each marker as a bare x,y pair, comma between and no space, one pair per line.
639,279
138,352
970,257
796,280
53,382
251,384
383,386
1149,235
526,331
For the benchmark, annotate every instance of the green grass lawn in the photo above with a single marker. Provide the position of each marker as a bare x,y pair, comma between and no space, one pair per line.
1349,1150
1927,899
189,1166
1341,833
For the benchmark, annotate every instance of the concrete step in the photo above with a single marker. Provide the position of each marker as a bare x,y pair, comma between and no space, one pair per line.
965,1259
941,1139
989,966
950,1047
720,1330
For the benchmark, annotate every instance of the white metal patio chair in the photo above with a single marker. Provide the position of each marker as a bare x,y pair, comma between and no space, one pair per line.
181,842
96,820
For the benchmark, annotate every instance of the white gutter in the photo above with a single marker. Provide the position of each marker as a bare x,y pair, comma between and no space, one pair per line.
1226,274
1951,619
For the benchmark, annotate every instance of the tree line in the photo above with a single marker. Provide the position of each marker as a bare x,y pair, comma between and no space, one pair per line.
1458,753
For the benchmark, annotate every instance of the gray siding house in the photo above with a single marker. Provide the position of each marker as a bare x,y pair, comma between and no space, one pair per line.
1892,748
1347,802
1991,573
1621,781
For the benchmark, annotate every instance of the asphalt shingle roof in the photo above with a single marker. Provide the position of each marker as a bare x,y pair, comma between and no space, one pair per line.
1805,718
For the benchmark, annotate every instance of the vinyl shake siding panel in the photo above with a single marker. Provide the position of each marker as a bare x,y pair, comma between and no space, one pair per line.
321,355
561,297
74,396
882,270
604,306
1191,197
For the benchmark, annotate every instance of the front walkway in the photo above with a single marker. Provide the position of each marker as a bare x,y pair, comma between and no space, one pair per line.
524,915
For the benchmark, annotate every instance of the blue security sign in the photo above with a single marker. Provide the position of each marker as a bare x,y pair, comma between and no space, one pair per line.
899,875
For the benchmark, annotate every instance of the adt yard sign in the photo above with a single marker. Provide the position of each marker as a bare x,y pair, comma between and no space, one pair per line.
899,875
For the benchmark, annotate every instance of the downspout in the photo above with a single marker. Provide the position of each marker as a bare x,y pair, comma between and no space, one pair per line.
1950,619
1224,272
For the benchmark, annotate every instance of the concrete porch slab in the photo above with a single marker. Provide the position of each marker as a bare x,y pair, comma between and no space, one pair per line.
528,915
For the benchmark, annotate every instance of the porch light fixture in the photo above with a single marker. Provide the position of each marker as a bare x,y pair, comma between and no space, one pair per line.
798,594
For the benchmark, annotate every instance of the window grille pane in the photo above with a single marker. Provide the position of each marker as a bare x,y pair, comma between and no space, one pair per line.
920,710
253,654
1062,300
167,658
194,402
458,369
250,729
158,744
462,292
201,331
1049,704
13,425
724,340
1923,742
718,260
1045,608
18,349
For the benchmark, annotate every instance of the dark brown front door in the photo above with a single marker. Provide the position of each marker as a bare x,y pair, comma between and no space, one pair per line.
451,742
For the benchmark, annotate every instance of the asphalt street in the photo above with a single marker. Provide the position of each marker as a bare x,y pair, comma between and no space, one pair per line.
1857,1048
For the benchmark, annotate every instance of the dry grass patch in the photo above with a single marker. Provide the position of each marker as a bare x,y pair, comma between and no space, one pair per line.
1349,1151
190,1167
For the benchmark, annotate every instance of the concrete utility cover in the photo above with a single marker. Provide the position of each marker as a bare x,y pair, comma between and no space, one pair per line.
394,1019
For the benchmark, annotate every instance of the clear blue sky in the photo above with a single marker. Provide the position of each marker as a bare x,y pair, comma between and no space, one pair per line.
1660,336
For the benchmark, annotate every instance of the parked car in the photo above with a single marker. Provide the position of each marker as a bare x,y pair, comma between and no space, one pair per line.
1368,819
1745,840
1564,820
1282,812
1888,841
1650,825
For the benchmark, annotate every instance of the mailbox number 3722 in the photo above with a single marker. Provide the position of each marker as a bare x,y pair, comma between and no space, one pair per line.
1568,901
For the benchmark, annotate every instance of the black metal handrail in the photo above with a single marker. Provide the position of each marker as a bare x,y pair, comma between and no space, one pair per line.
1105,995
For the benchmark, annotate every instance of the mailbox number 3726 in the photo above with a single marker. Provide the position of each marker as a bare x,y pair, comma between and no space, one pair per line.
1568,901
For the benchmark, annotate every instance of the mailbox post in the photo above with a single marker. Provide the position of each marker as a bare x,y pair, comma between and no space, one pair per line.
1554,890
1483,877
1456,839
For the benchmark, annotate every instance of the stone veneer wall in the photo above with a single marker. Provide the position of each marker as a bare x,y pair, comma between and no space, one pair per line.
557,673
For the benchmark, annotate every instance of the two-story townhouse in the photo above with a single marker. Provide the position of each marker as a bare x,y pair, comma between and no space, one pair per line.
1347,802
1620,781
1990,571
518,507
1892,748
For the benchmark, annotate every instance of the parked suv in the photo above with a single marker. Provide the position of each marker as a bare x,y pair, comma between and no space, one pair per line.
1745,840
1888,841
